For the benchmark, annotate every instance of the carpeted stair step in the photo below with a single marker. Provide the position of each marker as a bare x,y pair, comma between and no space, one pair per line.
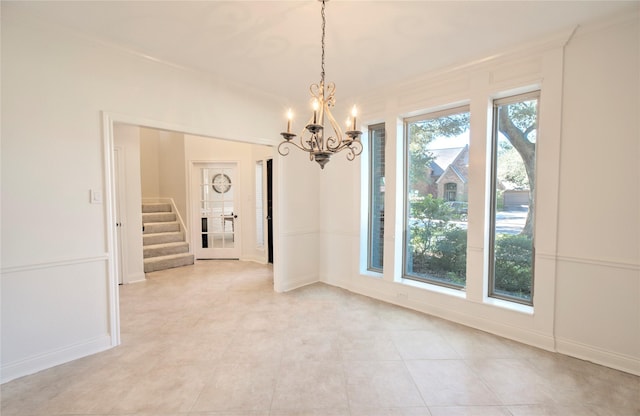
167,262
161,238
161,227
157,250
156,207
158,217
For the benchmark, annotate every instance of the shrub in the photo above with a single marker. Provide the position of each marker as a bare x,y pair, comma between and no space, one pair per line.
429,219
450,253
437,249
447,261
513,263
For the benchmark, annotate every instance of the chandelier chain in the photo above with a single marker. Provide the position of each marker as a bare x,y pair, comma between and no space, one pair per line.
323,25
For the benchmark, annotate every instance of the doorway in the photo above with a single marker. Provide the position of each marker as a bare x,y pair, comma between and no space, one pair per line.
112,128
215,201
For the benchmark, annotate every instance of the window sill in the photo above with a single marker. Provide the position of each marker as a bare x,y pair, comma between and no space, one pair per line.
371,273
459,293
512,306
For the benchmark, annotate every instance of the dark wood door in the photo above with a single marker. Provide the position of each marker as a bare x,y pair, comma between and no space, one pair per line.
270,209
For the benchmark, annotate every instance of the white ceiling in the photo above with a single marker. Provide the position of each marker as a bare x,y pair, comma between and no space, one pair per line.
274,46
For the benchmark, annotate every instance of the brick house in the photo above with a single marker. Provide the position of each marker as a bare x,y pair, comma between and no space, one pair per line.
448,173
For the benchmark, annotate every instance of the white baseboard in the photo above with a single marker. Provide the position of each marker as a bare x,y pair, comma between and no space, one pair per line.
254,259
135,278
297,283
31,365
610,359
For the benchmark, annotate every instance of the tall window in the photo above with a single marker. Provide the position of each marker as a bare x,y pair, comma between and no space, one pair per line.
437,153
511,242
259,206
376,197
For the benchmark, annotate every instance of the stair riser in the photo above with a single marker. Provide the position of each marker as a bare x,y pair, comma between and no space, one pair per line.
161,228
168,264
156,208
151,239
159,217
168,227
165,251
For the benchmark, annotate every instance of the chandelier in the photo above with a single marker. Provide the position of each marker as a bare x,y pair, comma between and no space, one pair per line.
312,139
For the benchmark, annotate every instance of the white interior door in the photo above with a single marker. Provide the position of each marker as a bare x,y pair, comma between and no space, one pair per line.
118,165
216,221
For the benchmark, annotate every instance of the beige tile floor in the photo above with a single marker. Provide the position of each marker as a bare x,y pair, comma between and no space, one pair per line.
214,339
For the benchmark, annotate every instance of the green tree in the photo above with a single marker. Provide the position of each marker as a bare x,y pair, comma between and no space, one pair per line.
518,122
510,169
429,218
421,134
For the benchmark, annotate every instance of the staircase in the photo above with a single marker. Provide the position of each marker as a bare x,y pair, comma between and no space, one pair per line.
163,241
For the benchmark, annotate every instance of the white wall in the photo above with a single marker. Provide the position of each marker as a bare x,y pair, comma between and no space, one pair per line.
162,166
173,169
57,279
149,163
587,287
598,284
297,216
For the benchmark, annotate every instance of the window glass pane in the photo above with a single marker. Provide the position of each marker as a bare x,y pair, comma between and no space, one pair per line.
512,198
376,199
437,163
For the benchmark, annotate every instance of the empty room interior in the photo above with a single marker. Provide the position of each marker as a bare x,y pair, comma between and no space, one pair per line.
314,207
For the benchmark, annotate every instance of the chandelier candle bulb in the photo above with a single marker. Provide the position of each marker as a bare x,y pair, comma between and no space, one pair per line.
315,111
289,118
354,113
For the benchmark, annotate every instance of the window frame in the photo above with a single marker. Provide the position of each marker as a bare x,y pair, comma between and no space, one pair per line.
457,109
372,129
491,195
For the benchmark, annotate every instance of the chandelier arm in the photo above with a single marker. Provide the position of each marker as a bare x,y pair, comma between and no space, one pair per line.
350,154
314,89
301,146
334,143
355,148
330,98
285,149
